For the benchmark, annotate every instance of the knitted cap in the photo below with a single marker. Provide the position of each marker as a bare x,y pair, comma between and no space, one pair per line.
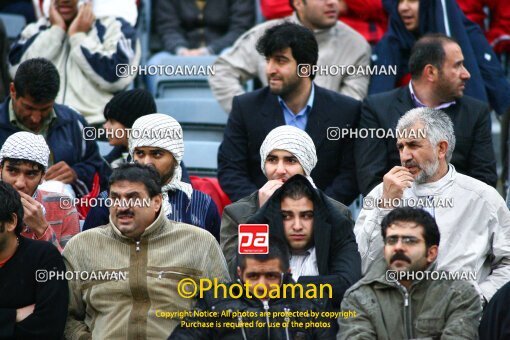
126,107
26,146
296,141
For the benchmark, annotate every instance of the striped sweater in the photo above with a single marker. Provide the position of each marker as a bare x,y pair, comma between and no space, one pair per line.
129,309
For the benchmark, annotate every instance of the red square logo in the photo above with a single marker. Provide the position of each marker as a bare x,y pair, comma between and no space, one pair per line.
253,239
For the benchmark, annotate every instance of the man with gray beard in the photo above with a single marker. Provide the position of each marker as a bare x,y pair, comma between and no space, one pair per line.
472,217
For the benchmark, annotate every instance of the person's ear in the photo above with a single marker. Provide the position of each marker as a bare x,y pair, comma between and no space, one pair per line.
12,90
442,149
157,202
431,73
432,253
10,226
239,273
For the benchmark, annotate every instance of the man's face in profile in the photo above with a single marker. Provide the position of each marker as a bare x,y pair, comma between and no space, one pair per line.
281,72
263,273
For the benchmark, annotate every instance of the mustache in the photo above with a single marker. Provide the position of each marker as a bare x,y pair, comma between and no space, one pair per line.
127,213
410,163
400,256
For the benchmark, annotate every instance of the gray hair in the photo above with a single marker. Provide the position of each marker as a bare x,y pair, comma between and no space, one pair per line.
438,126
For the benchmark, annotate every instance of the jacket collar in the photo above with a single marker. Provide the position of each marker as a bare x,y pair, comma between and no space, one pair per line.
152,229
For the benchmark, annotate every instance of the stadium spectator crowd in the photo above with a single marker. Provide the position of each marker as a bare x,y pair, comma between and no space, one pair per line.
356,168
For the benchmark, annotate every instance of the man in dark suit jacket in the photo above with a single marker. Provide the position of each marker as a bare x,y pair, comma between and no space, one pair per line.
438,77
290,99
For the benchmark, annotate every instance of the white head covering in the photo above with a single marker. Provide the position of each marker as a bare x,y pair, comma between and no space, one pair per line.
162,131
26,146
296,141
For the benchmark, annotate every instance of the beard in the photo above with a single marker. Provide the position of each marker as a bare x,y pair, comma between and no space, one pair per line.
288,86
428,169
167,176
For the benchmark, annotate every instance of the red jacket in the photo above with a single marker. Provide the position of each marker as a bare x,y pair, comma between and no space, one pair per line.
365,16
498,34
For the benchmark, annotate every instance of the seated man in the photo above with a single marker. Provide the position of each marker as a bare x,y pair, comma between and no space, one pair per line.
438,77
157,140
321,241
86,51
286,151
23,162
472,216
267,270
31,305
392,301
202,27
338,45
290,99
154,252
31,107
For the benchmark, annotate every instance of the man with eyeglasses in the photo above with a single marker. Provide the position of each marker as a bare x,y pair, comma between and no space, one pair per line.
239,314
393,301
472,216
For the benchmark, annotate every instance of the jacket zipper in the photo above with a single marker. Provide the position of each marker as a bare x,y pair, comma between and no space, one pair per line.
407,312
266,308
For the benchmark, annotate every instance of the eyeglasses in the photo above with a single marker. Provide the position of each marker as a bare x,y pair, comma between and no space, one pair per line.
406,240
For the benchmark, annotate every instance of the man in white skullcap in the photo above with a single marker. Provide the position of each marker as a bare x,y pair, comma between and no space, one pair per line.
285,152
157,140
23,163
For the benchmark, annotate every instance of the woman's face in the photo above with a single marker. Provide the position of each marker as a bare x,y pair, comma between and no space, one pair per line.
409,10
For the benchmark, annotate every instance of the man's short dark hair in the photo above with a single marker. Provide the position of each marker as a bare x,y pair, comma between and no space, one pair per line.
11,204
429,49
138,173
296,190
18,162
300,39
277,250
418,216
37,78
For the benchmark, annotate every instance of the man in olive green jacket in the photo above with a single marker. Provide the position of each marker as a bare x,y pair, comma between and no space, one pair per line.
403,296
